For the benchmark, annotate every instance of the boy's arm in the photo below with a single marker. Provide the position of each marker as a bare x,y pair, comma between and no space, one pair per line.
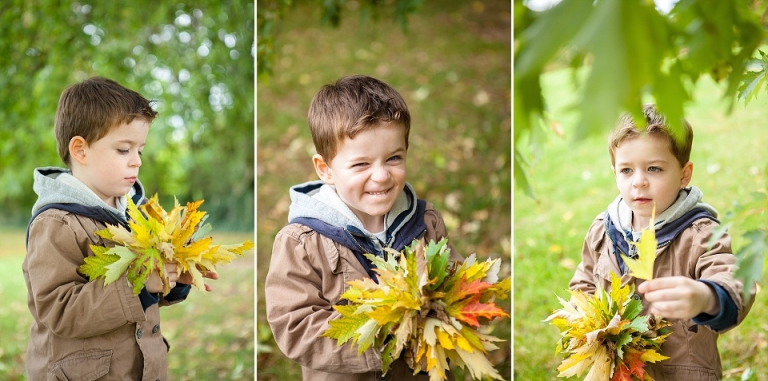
584,277
63,299
716,267
298,310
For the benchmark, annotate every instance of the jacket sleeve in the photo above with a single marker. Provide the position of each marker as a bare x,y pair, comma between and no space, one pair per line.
63,299
436,230
716,264
299,308
584,277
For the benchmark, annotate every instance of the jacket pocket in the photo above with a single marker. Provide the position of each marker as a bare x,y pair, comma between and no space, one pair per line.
682,372
82,366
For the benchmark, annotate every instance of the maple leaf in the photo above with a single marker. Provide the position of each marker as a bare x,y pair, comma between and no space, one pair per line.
427,317
155,237
605,335
642,267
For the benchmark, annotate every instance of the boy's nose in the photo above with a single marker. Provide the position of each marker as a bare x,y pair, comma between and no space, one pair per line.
380,174
135,161
639,181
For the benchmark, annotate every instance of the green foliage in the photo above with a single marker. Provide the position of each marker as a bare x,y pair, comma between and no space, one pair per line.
194,58
751,218
632,54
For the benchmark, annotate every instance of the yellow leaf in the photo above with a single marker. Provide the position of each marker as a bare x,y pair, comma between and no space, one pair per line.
642,267
652,356
156,237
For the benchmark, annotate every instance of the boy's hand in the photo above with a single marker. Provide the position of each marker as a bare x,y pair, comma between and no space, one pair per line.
154,283
186,278
679,297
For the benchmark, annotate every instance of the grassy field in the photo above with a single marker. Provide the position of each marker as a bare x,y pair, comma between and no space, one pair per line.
574,183
211,334
452,67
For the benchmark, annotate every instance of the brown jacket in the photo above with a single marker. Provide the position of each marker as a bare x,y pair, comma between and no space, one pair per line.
307,275
692,349
84,330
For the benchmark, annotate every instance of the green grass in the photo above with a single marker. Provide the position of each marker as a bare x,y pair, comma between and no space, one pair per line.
574,183
211,334
452,67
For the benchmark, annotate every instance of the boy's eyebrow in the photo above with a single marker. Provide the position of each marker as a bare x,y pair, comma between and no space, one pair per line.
129,141
652,161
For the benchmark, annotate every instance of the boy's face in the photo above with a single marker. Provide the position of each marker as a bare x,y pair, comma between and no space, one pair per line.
110,165
368,172
648,174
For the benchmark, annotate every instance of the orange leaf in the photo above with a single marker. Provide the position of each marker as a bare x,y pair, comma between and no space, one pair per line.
462,290
636,365
622,373
471,311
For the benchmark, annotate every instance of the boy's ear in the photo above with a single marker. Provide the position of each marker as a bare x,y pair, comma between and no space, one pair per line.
323,169
687,174
77,146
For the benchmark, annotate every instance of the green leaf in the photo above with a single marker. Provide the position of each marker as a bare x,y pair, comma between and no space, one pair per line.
96,266
118,267
750,260
345,327
633,308
437,256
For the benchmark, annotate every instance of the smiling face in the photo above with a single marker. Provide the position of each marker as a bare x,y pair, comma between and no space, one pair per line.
648,174
368,172
110,165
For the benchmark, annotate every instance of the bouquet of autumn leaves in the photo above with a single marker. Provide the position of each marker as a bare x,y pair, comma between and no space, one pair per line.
605,333
156,237
431,317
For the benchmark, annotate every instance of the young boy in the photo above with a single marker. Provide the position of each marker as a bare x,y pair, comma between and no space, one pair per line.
85,330
362,204
693,285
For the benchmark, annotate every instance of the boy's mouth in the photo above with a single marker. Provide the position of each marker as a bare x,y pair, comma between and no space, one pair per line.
378,193
642,200
132,179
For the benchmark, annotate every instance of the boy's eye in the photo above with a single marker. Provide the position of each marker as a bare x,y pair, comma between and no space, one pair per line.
654,169
141,153
395,158
625,170
123,151
358,165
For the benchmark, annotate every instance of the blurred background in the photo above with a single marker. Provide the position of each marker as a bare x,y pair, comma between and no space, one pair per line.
196,60
452,64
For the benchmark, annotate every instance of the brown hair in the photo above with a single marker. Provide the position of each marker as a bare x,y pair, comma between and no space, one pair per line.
656,125
353,104
90,109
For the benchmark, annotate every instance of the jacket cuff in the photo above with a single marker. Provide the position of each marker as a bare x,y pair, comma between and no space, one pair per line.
728,315
148,299
179,292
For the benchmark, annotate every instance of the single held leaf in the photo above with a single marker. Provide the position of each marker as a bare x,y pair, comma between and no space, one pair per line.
642,267
154,238
429,316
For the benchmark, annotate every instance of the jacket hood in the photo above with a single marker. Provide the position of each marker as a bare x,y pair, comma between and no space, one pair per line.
55,185
687,200
668,225
316,200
